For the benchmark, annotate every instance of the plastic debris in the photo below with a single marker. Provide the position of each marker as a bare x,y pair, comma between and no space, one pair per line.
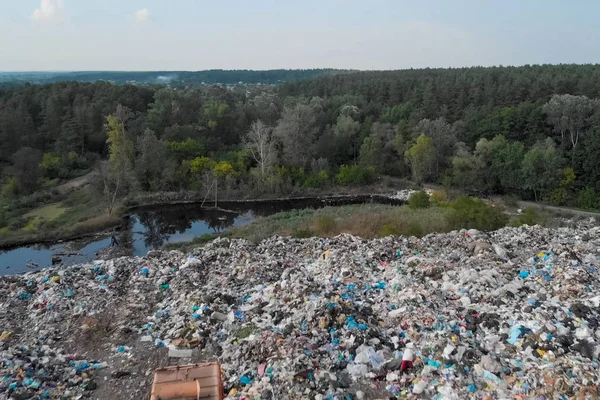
466,314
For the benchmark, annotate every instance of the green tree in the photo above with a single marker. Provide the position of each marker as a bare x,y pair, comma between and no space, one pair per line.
380,150
443,139
297,131
570,115
201,164
486,152
26,169
588,199
50,165
354,175
188,149
151,161
466,171
214,112
223,169
346,132
507,163
421,159
540,169
371,154
562,194
10,188
117,174
265,107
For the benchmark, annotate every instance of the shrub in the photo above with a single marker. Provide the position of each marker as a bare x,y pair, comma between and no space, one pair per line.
558,197
18,223
470,212
354,175
529,217
9,190
389,230
419,200
205,238
319,180
415,229
50,165
188,149
303,233
439,196
588,199
325,224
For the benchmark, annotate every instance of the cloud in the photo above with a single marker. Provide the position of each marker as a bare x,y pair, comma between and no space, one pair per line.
47,9
142,15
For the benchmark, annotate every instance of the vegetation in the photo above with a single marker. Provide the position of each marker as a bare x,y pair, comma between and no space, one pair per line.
532,132
419,200
472,213
369,221
531,217
196,242
173,78
376,220
68,215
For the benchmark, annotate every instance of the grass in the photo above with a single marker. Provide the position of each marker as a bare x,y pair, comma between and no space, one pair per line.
49,212
42,215
196,242
55,217
368,221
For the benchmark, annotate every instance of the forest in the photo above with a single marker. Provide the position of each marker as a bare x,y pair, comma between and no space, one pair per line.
531,132
179,79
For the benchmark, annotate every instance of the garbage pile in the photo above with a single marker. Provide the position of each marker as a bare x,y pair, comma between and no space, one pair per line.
464,315
405,194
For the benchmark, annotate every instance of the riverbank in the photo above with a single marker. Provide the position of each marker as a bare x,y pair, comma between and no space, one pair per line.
370,221
385,188
54,217
317,317
81,214
364,220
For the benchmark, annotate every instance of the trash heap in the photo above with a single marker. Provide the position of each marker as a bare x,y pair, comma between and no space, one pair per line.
405,194
510,314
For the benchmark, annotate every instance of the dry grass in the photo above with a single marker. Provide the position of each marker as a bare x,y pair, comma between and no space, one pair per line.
368,221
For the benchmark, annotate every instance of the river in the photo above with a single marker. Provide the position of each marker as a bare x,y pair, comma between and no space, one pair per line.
149,228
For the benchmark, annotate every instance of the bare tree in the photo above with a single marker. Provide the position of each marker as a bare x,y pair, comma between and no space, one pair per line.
112,181
259,141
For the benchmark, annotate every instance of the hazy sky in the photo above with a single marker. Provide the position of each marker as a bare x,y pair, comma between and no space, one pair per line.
265,34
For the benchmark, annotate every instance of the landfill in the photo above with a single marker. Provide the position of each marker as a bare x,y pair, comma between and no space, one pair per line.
510,314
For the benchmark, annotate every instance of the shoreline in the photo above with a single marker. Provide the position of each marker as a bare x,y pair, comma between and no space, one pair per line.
50,239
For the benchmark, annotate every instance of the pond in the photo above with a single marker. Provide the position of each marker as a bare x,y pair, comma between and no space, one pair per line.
150,228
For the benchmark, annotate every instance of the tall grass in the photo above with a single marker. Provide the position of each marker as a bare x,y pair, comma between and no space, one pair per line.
369,221
79,212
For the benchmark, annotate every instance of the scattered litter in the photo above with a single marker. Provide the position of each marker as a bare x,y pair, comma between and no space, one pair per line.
466,314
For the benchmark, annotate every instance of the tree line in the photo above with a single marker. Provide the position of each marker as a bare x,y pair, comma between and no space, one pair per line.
530,131
173,78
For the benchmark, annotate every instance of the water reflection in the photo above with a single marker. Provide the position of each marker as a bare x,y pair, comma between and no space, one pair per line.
159,227
151,228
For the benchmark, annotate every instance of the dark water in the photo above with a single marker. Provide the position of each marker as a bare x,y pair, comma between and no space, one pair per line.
152,227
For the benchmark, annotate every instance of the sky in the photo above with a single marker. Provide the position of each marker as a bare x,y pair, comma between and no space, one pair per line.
70,35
